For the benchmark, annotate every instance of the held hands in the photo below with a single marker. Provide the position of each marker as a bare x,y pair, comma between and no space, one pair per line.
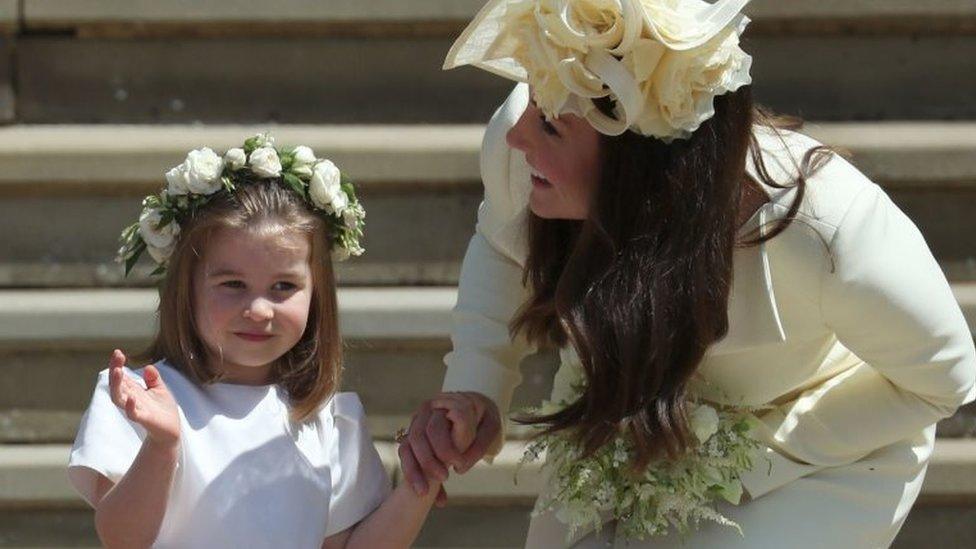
449,430
153,407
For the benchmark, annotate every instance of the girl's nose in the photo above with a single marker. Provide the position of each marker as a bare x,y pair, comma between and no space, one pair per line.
259,310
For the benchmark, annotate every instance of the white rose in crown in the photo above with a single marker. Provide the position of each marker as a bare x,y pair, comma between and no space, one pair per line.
160,241
235,159
325,187
203,168
350,217
193,183
303,161
264,162
704,422
160,255
176,180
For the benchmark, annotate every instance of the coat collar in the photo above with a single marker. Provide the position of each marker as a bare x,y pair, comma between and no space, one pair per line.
754,318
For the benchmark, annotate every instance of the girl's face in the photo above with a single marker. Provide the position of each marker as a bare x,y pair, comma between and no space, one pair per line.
251,299
564,157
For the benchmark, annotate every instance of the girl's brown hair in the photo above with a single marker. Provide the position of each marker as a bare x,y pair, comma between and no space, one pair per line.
310,371
640,288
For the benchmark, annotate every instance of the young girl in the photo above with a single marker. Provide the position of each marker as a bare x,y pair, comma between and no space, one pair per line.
234,436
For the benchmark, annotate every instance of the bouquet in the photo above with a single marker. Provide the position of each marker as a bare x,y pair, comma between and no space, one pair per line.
678,493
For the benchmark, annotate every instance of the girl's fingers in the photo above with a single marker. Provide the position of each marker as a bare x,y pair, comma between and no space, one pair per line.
152,378
115,386
441,500
130,410
433,468
117,360
439,435
411,469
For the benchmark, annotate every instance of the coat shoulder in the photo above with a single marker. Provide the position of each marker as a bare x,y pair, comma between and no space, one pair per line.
830,190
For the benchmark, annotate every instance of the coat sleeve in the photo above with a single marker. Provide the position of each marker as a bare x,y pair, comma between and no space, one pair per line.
888,302
484,358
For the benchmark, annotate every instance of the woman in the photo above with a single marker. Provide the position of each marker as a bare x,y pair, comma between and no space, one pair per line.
641,215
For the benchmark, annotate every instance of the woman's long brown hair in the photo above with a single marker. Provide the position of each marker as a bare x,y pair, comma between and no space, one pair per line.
641,287
310,371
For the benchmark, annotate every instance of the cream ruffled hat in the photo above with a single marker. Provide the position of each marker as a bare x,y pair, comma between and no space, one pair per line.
662,61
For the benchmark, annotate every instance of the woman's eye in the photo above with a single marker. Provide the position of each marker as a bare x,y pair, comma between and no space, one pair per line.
284,286
232,284
547,126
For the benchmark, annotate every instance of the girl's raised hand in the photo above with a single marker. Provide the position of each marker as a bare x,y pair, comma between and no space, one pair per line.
152,407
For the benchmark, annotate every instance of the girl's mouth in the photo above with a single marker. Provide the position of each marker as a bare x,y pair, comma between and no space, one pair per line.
253,337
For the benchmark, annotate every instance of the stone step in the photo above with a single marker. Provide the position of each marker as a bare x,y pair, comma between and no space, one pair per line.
379,62
69,189
99,16
52,343
487,507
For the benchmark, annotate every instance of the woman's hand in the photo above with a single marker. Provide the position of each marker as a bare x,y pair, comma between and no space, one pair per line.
439,427
153,407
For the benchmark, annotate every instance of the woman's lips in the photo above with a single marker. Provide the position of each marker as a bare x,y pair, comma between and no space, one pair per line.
538,180
253,337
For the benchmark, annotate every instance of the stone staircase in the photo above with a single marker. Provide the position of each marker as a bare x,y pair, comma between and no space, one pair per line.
101,97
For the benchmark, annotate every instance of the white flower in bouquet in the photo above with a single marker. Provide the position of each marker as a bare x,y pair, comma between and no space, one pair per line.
704,422
303,161
325,187
235,158
203,168
265,162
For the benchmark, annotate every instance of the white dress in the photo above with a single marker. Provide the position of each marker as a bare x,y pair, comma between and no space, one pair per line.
246,475
843,323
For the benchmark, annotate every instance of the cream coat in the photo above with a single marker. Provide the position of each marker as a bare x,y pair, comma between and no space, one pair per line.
844,322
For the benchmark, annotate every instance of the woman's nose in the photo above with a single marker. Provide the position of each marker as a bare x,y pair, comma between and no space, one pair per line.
517,136
259,310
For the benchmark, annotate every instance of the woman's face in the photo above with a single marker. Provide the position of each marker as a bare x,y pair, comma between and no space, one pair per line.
564,157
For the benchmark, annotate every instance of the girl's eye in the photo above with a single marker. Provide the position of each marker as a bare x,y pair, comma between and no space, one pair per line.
284,286
232,284
547,126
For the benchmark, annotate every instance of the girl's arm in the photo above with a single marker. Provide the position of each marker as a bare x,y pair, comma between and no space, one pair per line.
397,522
130,513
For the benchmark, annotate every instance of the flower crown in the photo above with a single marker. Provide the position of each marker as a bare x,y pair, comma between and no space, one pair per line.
661,61
204,174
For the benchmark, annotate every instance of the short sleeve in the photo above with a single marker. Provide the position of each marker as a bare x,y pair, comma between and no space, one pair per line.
107,442
359,480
